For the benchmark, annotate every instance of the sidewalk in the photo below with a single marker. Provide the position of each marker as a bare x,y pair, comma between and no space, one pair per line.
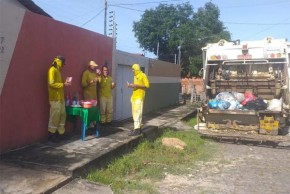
54,167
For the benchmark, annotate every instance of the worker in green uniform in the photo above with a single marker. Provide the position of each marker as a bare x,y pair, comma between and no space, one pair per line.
89,81
106,85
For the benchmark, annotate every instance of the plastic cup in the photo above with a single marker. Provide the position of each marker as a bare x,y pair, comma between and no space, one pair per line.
69,79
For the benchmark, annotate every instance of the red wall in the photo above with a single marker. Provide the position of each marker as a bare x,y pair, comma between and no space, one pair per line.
24,100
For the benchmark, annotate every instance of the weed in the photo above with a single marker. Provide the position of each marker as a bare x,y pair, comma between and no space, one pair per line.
137,171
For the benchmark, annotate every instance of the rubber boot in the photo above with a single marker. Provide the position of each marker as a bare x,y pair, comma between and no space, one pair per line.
135,132
130,132
61,137
52,137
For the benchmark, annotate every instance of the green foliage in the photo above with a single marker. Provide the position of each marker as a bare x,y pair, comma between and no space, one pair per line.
148,163
172,26
159,25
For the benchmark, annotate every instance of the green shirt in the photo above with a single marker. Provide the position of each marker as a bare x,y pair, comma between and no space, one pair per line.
89,89
105,86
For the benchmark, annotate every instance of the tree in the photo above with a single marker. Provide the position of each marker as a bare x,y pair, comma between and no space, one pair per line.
173,26
159,26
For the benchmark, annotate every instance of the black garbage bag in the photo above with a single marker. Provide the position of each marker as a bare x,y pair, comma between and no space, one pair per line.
258,104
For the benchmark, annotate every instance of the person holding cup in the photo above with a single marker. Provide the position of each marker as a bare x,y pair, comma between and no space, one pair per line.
139,87
57,114
106,85
89,82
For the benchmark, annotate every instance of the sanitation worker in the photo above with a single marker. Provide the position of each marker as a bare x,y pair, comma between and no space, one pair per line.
139,86
106,85
57,115
89,82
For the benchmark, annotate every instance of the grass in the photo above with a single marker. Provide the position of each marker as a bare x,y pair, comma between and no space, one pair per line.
191,122
137,171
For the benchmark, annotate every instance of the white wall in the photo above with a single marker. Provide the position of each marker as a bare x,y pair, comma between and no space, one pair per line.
11,19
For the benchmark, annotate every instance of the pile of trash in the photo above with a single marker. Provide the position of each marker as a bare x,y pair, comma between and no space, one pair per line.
246,101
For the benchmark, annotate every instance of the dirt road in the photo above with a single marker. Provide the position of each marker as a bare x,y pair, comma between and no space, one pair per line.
235,169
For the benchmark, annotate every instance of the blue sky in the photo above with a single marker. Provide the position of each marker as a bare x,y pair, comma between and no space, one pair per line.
245,19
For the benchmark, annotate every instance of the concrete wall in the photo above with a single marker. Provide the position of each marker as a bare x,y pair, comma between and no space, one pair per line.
31,41
165,85
9,30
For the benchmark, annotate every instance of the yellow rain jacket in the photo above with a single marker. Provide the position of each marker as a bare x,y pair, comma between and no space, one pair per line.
55,85
140,78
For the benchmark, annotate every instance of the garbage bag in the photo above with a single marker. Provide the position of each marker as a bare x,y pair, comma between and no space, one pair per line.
212,104
234,105
223,105
238,96
258,104
275,105
225,96
249,96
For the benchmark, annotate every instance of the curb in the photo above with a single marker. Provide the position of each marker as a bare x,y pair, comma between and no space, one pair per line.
247,141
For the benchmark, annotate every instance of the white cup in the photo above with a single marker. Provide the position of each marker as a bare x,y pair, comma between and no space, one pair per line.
69,79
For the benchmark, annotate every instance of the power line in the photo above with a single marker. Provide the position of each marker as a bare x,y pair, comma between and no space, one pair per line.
86,13
268,28
118,5
127,8
152,2
256,5
93,17
262,24
130,4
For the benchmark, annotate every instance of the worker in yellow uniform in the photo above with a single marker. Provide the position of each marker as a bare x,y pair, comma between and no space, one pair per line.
139,86
89,82
106,85
57,115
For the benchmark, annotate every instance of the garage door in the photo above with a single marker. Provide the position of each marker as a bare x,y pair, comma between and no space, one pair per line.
123,94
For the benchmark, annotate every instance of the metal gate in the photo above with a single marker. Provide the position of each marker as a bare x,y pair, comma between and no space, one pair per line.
123,94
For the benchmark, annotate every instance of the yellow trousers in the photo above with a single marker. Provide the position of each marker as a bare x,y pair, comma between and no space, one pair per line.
137,111
106,109
57,117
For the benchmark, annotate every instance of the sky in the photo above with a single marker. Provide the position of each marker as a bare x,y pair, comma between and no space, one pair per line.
244,19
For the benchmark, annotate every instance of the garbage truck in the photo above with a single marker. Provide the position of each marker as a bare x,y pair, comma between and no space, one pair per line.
246,87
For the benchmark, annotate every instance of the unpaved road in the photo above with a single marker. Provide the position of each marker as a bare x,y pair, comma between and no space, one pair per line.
235,169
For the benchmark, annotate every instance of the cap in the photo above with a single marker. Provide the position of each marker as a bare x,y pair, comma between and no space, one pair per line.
93,63
61,58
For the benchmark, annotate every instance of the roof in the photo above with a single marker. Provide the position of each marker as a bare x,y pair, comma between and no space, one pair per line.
31,6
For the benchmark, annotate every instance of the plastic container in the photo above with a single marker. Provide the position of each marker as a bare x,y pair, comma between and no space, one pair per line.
94,102
67,101
87,104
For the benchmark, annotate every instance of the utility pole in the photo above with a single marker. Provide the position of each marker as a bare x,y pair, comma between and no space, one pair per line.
105,18
113,25
158,50
175,58
113,34
179,54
